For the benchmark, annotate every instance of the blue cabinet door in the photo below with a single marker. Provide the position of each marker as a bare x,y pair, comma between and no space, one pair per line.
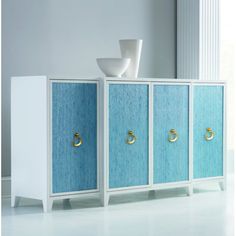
208,121
128,135
74,110
171,133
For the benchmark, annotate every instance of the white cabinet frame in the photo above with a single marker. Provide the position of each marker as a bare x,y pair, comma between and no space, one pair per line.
39,187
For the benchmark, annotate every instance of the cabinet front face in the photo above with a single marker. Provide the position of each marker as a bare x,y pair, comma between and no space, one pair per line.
171,133
128,135
208,131
74,136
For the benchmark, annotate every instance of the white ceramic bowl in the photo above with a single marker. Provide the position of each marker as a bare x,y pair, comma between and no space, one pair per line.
113,67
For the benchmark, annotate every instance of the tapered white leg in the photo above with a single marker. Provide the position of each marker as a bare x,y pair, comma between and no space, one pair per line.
222,185
190,190
15,201
105,200
47,205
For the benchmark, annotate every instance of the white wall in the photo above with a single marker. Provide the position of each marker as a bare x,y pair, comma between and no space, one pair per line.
63,37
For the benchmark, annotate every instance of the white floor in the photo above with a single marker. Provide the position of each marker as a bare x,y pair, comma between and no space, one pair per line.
208,212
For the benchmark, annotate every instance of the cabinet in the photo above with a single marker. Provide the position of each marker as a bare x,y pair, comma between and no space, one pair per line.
105,136
55,144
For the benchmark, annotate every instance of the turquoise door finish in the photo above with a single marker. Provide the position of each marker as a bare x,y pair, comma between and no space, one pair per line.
171,109
128,111
208,113
74,109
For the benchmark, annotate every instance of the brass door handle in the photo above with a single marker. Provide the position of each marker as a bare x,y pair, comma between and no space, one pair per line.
131,139
209,134
172,136
77,140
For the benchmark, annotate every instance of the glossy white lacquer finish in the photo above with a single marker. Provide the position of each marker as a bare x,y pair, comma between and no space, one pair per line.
36,116
29,127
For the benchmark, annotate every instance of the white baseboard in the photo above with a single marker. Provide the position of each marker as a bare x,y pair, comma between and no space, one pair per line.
6,187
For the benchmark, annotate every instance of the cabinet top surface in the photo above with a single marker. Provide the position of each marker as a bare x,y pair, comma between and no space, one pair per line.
122,79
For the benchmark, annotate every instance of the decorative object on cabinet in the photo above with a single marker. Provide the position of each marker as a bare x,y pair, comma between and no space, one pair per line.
132,49
113,67
106,136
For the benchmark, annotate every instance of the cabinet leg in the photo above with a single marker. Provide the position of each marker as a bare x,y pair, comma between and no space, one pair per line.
47,205
222,185
105,200
15,201
190,190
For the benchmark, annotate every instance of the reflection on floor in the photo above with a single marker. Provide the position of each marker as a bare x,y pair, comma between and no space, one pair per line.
167,212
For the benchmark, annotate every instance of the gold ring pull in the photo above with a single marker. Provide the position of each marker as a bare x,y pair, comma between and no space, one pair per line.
172,136
209,134
131,137
77,140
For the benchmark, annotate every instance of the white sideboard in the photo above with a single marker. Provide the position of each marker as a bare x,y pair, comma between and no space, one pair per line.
79,137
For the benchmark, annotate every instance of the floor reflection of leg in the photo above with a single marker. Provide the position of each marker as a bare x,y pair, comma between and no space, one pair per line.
15,201
66,203
151,194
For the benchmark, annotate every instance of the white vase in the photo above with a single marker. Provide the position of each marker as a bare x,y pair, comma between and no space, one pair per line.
131,48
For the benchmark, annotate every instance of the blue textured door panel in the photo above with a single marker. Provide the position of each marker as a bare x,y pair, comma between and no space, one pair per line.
171,159
128,110
74,109
208,113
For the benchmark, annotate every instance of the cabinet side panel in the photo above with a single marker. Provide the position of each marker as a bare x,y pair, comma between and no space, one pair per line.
171,159
74,110
128,111
29,136
208,113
